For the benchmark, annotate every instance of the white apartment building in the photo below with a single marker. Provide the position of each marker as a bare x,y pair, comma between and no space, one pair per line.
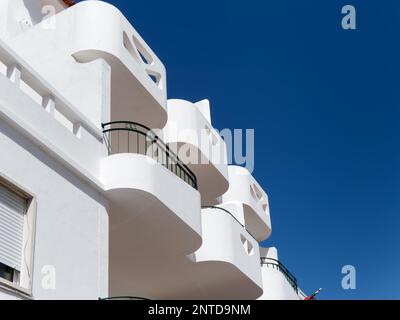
94,200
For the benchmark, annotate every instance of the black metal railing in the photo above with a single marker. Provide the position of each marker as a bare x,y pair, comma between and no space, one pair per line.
280,267
131,137
232,215
123,299
224,210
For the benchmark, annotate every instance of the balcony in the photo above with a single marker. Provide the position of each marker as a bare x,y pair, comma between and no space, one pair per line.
278,282
154,204
277,265
244,188
131,137
138,77
228,258
200,147
88,34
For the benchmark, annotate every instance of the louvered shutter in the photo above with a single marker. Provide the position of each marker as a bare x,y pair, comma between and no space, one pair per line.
12,211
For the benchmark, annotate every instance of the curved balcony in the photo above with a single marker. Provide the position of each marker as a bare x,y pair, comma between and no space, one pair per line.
228,259
154,205
278,282
277,265
138,83
131,137
244,189
190,133
93,43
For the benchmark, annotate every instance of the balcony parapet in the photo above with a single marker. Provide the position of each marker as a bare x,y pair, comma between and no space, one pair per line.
149,189
139,85
276,264
228,258
189,132
48,118
131,137
244,189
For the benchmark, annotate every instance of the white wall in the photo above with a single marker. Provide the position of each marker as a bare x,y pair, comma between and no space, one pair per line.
9,295
48,49
84,150
72,221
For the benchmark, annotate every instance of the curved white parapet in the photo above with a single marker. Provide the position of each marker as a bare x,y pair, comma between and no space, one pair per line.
190,133
228,259
144,212
277,285
61,47
154,215
245,189
138,77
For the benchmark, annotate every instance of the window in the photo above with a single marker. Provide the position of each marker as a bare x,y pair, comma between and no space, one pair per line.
12,215
6,272
16,236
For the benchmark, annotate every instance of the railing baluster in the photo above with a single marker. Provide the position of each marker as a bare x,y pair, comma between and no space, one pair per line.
145,146
166,158
118,146
137,143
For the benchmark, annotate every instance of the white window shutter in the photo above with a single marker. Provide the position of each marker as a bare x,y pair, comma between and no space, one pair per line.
12,211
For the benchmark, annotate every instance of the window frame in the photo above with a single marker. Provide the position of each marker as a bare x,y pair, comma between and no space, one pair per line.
23,281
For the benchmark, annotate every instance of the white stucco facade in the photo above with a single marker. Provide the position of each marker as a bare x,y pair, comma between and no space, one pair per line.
91,141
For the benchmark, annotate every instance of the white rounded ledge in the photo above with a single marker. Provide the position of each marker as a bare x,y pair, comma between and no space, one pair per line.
190,133
245,189
139,88
141,190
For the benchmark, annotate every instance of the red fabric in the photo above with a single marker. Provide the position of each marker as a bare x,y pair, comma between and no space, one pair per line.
69,2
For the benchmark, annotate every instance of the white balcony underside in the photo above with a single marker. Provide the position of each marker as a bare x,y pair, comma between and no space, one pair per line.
158,278
144,214
220,269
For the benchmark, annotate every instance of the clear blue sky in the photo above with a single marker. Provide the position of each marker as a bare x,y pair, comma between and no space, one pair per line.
325,104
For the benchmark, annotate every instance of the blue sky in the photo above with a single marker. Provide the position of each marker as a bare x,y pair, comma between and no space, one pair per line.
325,106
